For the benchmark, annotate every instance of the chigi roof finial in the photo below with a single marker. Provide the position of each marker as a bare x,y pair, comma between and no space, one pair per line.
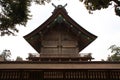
54,5
65,5
59,5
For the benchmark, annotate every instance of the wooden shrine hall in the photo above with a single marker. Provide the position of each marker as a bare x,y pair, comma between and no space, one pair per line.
60,38
59,41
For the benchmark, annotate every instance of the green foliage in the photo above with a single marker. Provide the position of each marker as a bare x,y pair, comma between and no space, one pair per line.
115,49
93,5
16,12
113,57
116,56
19,58
117,10
5,54
13,12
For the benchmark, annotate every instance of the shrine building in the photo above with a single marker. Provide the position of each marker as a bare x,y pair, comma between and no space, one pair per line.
59,42
60,38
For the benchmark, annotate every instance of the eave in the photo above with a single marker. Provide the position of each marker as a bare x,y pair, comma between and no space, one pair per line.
83,35
59,65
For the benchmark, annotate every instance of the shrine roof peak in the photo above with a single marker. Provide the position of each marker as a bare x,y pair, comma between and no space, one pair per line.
60,17
59,7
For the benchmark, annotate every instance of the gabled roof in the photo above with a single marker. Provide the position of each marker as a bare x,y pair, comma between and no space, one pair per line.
60,16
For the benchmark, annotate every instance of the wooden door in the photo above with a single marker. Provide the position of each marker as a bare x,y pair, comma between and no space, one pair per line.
59,40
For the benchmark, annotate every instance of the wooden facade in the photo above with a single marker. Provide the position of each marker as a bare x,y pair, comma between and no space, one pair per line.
60,38
29,70
59,41
60,75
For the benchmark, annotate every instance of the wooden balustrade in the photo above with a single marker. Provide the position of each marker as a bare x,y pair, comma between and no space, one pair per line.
87,74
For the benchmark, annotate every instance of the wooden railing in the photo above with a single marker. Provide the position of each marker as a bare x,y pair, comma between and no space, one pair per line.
85,74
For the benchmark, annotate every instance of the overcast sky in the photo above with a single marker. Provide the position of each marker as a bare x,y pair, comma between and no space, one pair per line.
104,24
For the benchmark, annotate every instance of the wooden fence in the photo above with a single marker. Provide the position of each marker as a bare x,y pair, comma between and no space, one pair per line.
63,74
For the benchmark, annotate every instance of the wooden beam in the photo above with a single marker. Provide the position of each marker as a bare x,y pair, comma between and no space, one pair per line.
59,65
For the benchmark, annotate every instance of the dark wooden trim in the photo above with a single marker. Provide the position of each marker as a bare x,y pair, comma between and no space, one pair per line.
81,62
56,74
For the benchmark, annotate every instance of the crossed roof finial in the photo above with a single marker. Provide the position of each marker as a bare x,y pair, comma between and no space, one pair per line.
54,5
59,5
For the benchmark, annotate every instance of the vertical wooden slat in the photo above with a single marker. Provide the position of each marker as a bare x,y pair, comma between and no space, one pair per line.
60,74
4,77
0,75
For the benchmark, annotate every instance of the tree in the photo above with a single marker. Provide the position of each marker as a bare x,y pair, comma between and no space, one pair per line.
13,12
116,56
6,54
93,5
19,58
16,12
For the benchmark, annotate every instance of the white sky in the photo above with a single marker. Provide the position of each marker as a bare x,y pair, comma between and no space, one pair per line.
104,24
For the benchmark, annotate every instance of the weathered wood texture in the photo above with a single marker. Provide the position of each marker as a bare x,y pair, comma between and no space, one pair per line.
59,40
64,74
59,65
